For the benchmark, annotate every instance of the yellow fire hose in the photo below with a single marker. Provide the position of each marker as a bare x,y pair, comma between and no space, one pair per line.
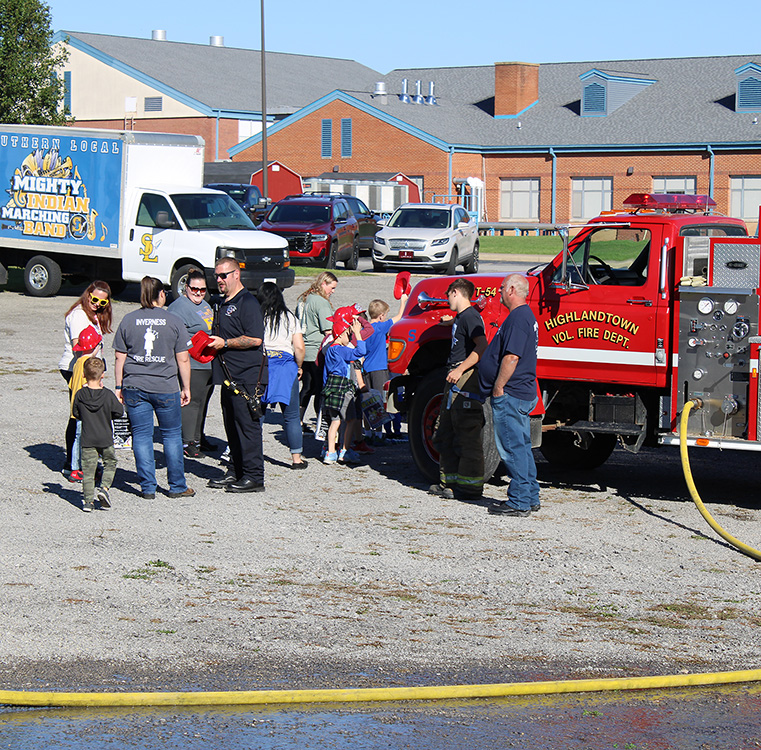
440,692
750,551
259,697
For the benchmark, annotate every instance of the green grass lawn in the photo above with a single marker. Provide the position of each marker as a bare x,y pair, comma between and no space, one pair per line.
512,245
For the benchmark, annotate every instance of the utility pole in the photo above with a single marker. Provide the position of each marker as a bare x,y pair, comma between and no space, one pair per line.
265,190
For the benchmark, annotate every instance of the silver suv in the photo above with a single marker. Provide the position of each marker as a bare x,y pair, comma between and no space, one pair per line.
428,235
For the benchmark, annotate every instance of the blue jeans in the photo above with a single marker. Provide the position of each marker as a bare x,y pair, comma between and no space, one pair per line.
292,420
141,407
512,433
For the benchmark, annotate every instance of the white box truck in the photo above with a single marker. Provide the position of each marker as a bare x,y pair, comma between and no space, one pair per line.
120,205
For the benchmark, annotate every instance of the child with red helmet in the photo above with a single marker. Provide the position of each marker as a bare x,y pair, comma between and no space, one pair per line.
339,393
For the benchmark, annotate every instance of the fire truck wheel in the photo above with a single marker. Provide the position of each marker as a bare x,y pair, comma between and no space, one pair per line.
559,450
42,277
422,421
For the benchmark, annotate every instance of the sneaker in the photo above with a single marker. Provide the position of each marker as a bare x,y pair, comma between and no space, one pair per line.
348,456
88,507
501,508
73,476
322,434
191,450
441,491
536,508
323,451
361,446
225,457
101,495
330,459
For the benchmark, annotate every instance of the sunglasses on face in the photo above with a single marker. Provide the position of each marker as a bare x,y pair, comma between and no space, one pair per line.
98,302
198,289
223,275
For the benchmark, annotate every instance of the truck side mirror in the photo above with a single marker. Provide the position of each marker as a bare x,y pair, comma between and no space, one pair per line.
163,221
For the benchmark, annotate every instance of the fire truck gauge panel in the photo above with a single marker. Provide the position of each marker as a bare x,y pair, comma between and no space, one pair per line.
705,306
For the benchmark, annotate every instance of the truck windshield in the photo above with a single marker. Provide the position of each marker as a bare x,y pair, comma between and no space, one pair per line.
211,211
299,213
610,256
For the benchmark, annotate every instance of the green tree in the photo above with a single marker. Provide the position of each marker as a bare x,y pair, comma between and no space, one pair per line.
31,91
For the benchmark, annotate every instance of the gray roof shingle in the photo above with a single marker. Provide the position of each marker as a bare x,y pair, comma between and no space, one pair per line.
691,102
229,78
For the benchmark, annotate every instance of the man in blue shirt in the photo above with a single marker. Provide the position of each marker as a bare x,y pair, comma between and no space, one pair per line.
507,373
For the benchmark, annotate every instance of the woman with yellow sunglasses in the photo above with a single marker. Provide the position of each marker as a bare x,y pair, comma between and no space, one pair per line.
93,308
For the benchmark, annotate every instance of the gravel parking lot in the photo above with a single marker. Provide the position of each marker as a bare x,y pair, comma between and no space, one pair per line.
352,576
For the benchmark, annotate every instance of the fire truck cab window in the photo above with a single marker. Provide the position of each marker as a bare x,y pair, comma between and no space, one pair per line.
611,257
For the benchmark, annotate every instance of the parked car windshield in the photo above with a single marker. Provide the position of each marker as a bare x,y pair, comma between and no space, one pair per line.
298,213
420,218
207,211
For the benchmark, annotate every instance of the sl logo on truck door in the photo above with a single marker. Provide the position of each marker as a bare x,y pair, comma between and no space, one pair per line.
147,248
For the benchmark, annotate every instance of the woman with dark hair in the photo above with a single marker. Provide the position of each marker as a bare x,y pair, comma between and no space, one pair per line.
151,352
284,346
196,313
313,310
93,308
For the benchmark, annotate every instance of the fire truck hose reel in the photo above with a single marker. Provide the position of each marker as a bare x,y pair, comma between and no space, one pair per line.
744,548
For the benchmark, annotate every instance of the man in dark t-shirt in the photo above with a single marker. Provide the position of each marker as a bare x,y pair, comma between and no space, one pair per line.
458,437
238,334
507,374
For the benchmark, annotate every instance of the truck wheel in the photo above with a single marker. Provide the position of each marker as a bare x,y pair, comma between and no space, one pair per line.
422,421
353,260
472,265
180,279
42,277
452,265
560,450
330,260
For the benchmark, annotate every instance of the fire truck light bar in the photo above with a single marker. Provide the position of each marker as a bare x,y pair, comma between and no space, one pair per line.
668,202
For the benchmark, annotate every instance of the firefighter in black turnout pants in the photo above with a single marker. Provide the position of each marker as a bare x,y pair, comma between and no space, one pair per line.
239,332
458,436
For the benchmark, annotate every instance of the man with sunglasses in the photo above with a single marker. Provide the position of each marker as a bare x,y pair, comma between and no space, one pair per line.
238,336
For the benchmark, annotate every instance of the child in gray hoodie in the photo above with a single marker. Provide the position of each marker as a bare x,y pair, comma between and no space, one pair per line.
96,407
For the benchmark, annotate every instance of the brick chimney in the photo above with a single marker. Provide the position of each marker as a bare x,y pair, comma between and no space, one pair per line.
516,86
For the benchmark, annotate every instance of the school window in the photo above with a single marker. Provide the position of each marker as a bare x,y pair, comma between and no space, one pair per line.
745,197
519,200
346,137
153,104
327,139
67,92
675,185
590,196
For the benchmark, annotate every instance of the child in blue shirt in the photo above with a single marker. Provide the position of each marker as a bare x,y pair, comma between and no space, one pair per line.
339,394
376,359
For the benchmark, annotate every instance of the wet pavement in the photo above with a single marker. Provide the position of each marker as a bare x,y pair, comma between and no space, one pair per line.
680,719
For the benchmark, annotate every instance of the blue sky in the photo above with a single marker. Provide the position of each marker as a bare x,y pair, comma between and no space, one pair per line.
409,34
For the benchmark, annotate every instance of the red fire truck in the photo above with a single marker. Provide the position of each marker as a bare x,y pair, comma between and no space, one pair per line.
642,310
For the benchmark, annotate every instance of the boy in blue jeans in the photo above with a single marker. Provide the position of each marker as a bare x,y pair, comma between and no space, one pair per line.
376,359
